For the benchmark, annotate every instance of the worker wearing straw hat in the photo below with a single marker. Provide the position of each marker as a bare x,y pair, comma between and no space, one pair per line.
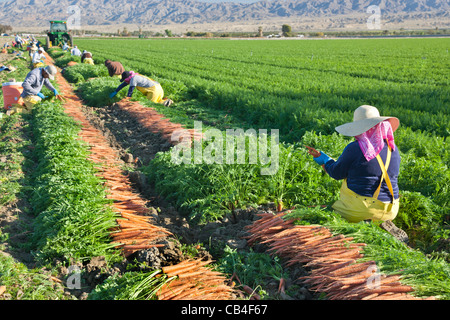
369,168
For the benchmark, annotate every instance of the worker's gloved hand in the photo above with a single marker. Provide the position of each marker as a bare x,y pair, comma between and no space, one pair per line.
322,159
40,95
55,92
113,94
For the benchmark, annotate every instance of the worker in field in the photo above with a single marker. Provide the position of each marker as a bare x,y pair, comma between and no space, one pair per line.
65,47
32,86
148,87
115,68
37,58
369,168
75,51
33,50
19,41
86,57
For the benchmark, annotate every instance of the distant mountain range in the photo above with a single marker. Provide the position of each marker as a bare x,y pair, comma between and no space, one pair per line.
28,13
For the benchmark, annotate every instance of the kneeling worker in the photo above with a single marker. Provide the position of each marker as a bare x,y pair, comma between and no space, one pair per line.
148,87
86,57
33,83
369,167
37,57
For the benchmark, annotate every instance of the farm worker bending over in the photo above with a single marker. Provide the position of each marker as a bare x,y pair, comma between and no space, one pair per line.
149,87
33,49
369,167
65,47
33,83
37,58
19,41
86,57
115,68
75,51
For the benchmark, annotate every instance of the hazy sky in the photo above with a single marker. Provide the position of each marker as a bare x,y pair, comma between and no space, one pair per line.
241,1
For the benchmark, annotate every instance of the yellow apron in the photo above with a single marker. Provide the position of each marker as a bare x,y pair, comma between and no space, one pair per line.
89,61
29,102
155,93
38,65
356,208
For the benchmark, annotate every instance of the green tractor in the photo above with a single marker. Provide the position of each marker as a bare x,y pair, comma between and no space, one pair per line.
58,35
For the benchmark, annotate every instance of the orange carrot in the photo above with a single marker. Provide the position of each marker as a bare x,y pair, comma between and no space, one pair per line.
352,268
190,274
384,289
178,265
187,268
141,247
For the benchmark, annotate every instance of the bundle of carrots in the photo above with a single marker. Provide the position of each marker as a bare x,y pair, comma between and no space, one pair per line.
153,121
332,258
135,232
195,282
266,227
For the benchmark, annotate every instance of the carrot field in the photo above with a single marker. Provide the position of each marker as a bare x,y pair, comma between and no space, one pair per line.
94,207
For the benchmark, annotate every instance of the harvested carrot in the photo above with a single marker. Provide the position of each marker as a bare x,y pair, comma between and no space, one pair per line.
190,274
181,265
141,247
384,289
187,268
281,286
352,268
167,293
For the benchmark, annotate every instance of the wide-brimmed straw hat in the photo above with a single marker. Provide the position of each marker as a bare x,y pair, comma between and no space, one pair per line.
364,118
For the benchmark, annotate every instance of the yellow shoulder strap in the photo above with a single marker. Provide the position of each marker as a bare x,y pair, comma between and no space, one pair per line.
385,175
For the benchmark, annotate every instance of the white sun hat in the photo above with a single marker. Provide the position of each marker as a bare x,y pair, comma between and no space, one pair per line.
364,118
51,70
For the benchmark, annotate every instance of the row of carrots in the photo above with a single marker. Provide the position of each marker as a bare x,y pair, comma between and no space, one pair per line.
155,122
334,260
192,279
135,231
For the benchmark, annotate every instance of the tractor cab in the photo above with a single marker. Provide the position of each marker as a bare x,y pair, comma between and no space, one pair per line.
58,26
58,35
